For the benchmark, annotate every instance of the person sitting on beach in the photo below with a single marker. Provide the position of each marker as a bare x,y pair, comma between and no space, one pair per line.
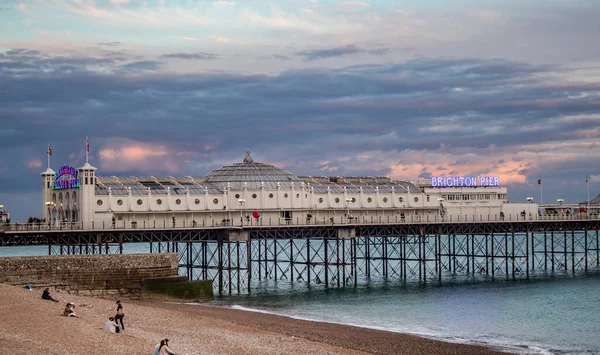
162,348
111,326
70,310
46,295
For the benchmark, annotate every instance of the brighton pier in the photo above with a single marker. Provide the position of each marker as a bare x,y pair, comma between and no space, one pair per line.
249,222
343,254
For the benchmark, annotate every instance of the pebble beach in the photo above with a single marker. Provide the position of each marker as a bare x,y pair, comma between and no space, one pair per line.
32,325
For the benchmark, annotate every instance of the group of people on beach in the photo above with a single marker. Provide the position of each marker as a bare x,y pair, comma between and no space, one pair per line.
113,324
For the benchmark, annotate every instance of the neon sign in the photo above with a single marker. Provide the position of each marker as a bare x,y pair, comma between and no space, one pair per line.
464,181
62,182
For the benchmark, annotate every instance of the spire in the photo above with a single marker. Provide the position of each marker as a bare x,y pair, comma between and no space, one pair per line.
87,165
49,170
248,158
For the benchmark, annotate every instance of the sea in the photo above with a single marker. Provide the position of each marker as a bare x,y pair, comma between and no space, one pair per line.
546,314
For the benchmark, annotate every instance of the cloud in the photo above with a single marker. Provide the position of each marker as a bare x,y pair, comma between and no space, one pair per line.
219,39
338,52
191,39
281,57
140,66
223,3
355,4
34,163
110,44
121,155
401,119
191,56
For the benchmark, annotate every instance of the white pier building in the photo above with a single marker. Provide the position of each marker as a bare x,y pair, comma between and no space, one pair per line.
250,192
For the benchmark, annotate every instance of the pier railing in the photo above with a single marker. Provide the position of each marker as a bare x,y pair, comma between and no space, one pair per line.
264,222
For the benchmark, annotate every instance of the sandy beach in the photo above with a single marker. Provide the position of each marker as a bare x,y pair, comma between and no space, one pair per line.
34,326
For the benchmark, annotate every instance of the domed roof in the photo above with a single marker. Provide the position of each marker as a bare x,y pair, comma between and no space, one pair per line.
249,171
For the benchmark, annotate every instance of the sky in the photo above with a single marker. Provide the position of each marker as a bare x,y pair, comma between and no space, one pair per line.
397,88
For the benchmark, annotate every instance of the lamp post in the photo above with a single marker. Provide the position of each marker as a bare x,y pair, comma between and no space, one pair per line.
242,201
560,201
529,199
348,200
442,212
52,216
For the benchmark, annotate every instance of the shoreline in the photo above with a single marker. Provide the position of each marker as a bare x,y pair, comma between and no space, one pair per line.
504,348
192,329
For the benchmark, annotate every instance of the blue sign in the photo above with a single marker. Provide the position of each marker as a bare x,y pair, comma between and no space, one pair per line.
465,181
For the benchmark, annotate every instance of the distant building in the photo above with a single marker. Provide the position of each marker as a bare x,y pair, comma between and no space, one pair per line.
237,193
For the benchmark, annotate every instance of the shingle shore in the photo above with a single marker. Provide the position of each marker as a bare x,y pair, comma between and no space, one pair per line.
34,326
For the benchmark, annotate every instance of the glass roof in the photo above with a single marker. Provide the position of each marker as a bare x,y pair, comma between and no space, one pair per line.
252,176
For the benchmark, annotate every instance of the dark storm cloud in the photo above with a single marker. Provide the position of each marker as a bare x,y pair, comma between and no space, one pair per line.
191,56
338,52
302,118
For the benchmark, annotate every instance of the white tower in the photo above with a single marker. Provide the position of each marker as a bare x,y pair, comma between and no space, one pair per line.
47,179
87,190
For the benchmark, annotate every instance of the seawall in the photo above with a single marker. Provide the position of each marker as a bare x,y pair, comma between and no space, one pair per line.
94,275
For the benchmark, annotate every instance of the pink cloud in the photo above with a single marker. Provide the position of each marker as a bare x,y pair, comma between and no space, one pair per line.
128,155
34,163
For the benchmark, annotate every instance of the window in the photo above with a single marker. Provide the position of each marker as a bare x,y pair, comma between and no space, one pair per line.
400,199
385,199
159,202
270,195
427,198
215,201
119,202
353,199
237,195
297,195
139,201
99,202
197,201
416,199
178,201
285,195
320,199
253,195
337,200
369,200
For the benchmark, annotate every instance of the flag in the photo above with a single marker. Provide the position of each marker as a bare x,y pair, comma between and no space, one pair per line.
539,181
587,179
87,144
49,150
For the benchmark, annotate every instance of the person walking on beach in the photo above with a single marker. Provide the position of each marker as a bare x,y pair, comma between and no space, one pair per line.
46,295
120,315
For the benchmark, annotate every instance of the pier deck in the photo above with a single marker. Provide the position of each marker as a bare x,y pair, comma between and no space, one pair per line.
345,254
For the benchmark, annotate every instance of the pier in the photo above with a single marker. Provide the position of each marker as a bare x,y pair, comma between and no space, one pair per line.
344,254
